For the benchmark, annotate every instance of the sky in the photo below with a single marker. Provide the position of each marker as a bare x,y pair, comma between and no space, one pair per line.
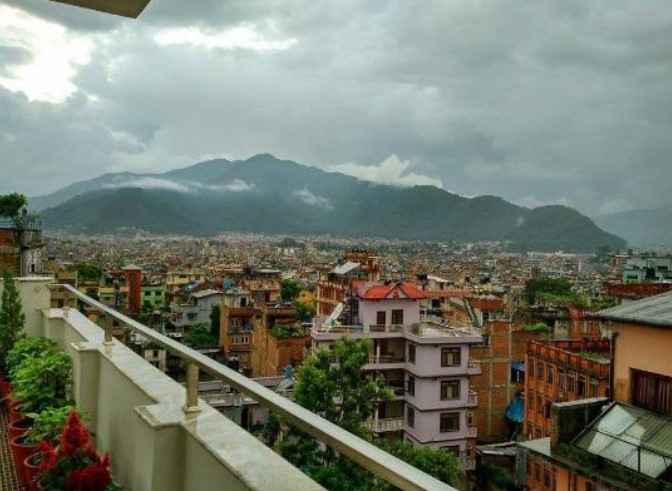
540,102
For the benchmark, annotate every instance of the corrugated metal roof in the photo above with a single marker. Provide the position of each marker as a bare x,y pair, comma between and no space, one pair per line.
656,310
632,437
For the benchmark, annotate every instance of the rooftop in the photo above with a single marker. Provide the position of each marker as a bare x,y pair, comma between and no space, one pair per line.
655,311
391,291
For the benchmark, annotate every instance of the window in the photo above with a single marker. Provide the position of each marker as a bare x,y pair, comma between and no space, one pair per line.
380,318
547,478
530,369
397,317
449,422
590,486
581,387
571,384
540,405
652,391
410,417
451,357
547,409
411,353
410,387
540,370
549,375
562,380
450,390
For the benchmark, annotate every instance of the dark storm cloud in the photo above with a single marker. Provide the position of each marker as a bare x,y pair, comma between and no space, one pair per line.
538,102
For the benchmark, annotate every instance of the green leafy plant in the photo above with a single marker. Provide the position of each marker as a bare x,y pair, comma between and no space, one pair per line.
280,331
199,337
27,348
42,383
48,425
538,327
12,318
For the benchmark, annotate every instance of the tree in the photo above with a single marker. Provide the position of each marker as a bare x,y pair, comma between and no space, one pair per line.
12,318
290,290
436,462
89,272
304,312
12,204
199,337
214,321
536,287
333,384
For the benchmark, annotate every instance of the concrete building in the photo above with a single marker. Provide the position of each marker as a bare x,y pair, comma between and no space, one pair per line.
623,444
236,317
22,249
341,282
427,365
197,310
647,269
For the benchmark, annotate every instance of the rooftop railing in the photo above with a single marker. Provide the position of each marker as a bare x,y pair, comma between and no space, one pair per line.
370,457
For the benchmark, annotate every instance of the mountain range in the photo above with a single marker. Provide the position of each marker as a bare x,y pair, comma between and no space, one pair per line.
266,195
641,228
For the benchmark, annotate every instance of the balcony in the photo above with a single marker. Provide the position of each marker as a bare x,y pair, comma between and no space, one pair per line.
160,435
386,425
472,399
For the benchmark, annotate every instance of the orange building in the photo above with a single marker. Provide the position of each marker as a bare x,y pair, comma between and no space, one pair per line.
624,444
277,341
235,335
562,370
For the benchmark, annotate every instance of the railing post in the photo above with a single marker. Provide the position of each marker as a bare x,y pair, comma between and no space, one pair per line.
191,405
108,323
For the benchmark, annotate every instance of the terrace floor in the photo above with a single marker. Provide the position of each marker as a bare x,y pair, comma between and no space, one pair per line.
9,481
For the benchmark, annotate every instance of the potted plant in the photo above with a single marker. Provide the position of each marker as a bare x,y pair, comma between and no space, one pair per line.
47,427
12,320
41,383
21,448
25,348
74,464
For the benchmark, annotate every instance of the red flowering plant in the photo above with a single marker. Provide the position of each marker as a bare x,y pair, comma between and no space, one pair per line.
74,465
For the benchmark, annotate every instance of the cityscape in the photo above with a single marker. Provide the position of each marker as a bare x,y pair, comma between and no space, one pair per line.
249,322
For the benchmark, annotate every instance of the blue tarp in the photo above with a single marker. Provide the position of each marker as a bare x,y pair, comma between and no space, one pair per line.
516,409
518,365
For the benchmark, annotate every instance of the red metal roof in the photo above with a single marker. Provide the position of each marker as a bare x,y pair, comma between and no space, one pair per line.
402,290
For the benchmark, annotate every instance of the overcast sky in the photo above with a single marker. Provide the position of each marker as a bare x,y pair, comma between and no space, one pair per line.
565,101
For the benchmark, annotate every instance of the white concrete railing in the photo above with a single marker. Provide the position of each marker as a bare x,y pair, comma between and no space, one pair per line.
162,437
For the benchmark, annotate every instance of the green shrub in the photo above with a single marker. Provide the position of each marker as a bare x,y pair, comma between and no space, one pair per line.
42,383
538,327
48,425
28,348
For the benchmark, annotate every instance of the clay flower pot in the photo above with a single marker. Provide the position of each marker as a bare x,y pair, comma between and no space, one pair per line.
19,427
15,413
21,450
5,387
32,466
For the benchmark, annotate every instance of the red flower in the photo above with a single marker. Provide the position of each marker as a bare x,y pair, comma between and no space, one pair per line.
49,458
75,436
94,477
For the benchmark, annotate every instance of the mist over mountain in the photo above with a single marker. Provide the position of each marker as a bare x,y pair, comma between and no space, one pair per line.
267,195
642,228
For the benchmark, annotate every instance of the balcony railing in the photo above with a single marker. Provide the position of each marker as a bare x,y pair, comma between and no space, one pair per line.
215,448
386,424
383,359
472,399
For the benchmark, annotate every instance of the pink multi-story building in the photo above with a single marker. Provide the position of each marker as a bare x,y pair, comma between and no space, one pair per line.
427,365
